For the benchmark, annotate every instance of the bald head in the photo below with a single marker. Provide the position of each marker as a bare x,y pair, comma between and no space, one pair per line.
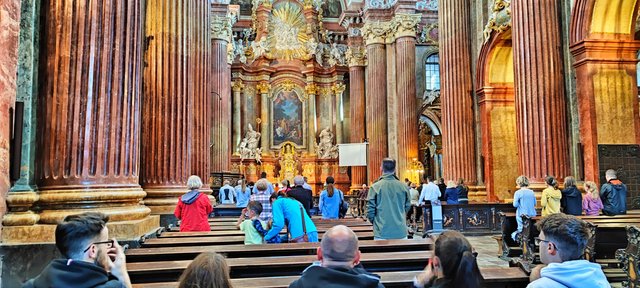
339,245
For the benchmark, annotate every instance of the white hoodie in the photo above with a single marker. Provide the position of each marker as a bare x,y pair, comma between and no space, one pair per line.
576,273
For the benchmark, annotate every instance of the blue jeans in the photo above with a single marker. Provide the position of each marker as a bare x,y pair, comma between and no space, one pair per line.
313,236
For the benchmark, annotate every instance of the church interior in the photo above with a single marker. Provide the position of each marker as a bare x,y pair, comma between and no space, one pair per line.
109,106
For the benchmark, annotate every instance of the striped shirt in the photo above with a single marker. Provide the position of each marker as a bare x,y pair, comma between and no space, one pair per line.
263,198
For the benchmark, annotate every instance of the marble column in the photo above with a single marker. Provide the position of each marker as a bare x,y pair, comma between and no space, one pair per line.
357,106
263,89
88,132
221,98
539,90
376,96
338,90
458,139
10,25
237,113
311,89
407,106
200,63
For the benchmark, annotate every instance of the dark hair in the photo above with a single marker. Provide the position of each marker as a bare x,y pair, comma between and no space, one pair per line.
389,165
428,178
551,181
263,174
255,206
76,231
208,270
460,181
330,181
457,260
569,233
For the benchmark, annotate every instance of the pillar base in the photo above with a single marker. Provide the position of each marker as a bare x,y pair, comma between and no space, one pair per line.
121,230
477,193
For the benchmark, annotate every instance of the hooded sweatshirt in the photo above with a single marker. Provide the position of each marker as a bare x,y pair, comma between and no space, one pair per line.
193,210
550,201
591,206
570,274
336,277
571,201
614,197
73,274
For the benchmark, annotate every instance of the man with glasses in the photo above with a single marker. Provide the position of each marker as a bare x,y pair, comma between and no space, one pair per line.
561,245
91,258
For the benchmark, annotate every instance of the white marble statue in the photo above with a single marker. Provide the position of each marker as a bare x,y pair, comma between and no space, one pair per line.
325,149
249,146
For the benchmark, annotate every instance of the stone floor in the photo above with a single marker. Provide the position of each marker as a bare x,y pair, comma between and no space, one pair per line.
487,249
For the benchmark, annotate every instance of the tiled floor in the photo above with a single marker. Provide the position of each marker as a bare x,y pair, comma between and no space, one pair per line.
487,249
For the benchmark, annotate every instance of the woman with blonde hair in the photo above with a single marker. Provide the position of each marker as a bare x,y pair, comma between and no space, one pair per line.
525,202
451,192
208,270
591,203
193,208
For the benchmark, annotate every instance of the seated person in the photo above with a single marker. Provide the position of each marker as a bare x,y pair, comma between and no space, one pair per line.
209,269
91,259
339,263
289,212
614,195
561,244
226,193
250,227
551,197
453,265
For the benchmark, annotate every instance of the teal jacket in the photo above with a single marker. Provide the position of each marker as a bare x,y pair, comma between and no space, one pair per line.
389,201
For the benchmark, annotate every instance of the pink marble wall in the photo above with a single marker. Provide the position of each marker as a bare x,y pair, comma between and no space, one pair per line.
9,37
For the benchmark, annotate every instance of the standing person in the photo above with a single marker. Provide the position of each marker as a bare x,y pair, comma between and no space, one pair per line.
306,183
453,266
525,202
285,186
463,192
209,270
443,188
614,195
362,201
91,259
388,203
571,201
591,203
243,193
550,200
451,192
330,199
226,193
262,195
290,213
193,208
305,196
269,190
430,192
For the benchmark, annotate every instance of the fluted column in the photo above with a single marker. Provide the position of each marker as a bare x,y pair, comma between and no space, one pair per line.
89,115
405,25
264,88
539,91
311,89
168,109
200,63
376,93
357,106
457,106
221,102
237,117
338,90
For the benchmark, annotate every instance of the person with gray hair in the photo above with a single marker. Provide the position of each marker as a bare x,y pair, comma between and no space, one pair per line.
388,203
298,192
613,195
338,263
226,193
194,207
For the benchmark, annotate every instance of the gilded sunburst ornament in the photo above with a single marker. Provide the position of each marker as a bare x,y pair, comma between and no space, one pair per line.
287,34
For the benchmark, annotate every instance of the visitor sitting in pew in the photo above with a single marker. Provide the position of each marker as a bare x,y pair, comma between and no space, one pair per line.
454,264
262,195
209,270
253,225
463,192
451,192
270,189
242,193
614,195
561,243
91,258
591,203
525,202
330,200
338,264
571,201
288,211
550,200
226,193
193,208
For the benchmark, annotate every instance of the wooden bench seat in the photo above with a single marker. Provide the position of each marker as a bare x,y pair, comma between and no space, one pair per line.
236,232
241,250
191,241
225,227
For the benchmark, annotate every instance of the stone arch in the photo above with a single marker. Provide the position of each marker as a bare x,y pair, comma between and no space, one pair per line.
603,19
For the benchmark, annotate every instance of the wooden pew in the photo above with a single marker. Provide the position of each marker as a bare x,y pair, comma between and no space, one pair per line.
225,227
234,251
629,257
199,241
236,232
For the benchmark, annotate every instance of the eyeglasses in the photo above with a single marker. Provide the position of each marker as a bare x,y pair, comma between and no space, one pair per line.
108,242
538,241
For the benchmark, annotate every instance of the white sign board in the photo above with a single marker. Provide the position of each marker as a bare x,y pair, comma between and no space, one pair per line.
353,154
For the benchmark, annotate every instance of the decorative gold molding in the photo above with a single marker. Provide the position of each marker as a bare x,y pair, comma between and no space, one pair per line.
263,87
237,85
325,91
356,56
405,25
375,32
311,89
338,88
287,85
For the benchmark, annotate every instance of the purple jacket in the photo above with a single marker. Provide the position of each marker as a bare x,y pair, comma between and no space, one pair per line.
591,206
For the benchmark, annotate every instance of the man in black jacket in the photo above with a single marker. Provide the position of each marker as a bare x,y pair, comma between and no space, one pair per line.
301,194
89,253
613,194
339,264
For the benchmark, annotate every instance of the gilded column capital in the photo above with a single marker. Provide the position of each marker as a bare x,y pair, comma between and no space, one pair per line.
338,88
404,25
237,85
311,89
263,87
221,28
356,56
375,32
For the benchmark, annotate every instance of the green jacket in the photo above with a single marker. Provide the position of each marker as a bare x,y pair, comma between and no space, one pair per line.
388,203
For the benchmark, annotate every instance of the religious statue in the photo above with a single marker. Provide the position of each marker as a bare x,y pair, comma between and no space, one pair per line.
432,146
249,146
288,163
326,149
